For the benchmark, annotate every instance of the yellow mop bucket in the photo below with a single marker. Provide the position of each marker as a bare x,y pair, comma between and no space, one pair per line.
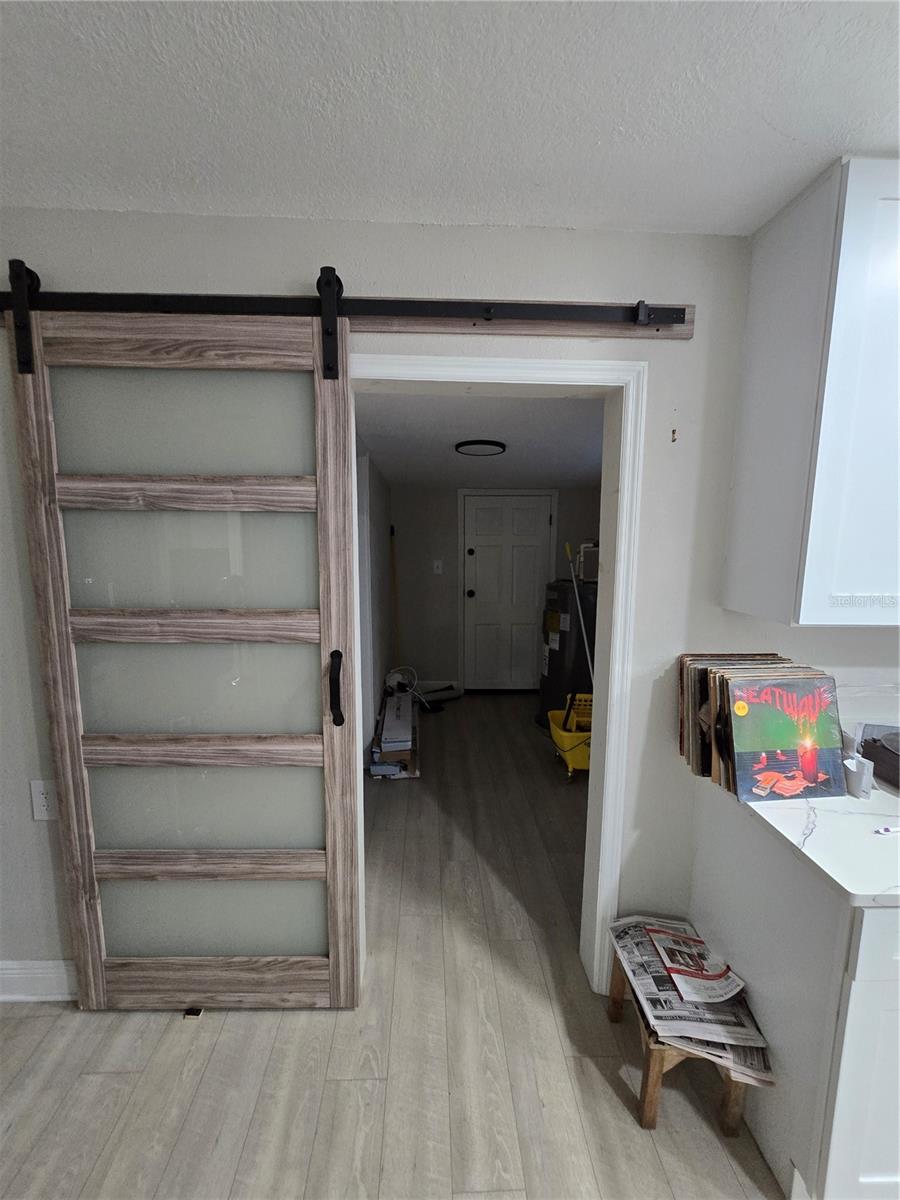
572,736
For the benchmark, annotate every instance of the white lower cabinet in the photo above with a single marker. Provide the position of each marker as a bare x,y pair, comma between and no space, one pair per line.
804,899
861,1149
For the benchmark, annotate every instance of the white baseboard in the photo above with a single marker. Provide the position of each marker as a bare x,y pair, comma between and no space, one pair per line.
38,979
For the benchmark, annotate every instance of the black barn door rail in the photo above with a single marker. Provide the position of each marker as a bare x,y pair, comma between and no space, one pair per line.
330,304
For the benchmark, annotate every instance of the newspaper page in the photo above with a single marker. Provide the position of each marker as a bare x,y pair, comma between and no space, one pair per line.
748,1064
669,1015
695,971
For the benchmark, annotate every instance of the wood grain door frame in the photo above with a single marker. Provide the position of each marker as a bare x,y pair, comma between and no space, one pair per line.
611,781
197,342
461,494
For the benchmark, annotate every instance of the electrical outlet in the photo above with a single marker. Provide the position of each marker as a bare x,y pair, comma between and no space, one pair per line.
43,800
438,566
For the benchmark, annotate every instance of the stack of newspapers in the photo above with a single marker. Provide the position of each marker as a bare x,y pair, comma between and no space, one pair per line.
690,998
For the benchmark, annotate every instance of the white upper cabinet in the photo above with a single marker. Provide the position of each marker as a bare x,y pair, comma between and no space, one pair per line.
814,509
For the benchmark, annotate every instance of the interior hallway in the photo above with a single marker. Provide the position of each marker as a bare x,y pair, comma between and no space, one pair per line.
479,1062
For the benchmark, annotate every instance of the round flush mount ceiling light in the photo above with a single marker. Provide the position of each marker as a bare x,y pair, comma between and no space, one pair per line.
480,448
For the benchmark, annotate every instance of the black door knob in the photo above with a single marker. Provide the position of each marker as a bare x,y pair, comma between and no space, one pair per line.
470,593
470,550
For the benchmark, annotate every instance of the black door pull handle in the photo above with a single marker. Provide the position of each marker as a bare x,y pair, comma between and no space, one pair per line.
334,687
470,593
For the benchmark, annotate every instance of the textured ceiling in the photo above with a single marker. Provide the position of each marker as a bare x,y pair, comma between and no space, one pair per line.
704,117
553,436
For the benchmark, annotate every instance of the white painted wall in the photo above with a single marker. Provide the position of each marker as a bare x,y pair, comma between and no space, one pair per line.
426,520
693,388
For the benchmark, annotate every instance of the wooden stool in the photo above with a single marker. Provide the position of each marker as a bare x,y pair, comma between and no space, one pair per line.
659,1058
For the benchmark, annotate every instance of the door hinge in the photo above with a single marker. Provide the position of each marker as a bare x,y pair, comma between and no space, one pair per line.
330,289
23,285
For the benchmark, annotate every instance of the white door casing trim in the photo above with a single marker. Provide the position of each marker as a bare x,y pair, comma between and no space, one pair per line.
606,795
461,494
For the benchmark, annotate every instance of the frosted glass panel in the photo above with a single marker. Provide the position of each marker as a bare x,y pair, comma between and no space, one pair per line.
210,917
136,421
192,559
208,808
241,688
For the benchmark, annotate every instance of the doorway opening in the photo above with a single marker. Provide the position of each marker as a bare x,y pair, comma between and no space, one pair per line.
434,527
506,559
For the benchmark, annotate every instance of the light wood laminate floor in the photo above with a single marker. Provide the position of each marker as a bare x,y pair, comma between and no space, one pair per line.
479,1063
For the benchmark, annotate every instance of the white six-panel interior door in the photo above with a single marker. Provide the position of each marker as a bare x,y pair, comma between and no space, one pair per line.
508,555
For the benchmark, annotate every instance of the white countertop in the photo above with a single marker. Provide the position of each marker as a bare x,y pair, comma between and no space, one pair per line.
838,837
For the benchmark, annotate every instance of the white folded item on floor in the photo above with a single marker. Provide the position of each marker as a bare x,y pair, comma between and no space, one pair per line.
395,750
396,728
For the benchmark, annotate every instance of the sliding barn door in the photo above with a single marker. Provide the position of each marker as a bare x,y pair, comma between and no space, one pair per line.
189,490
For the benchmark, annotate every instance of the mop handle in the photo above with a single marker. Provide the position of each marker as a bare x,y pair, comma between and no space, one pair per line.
587,649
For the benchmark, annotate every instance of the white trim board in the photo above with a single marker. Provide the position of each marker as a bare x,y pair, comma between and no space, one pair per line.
609,774
428,368
38,979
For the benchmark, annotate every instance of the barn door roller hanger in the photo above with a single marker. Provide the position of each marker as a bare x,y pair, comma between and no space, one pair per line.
330,304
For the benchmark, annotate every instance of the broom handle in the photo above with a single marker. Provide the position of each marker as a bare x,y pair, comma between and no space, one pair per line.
587,649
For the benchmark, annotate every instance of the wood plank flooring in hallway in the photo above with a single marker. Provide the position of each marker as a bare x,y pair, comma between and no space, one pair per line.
479,1063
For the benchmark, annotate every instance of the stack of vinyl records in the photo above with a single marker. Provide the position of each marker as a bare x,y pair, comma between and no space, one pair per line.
761,726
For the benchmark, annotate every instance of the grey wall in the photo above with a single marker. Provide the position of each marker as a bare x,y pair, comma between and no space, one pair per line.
366,638
374,525
426,523
578,520
380,584
693,387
